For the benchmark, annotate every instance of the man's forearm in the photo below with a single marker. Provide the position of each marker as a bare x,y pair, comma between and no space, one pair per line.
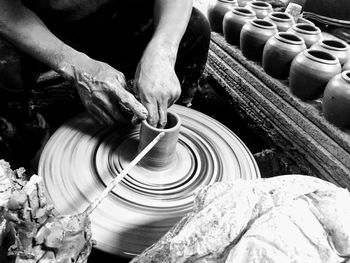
26,31
171,18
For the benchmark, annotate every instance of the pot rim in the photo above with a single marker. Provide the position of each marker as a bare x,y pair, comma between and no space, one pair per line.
281,37
166,130
346,75
280,19
242,11
323,43
256,22
228,1
306,21
310,53
297,28
260,5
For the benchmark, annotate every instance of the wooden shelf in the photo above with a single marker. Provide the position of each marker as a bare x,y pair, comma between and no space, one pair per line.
293,124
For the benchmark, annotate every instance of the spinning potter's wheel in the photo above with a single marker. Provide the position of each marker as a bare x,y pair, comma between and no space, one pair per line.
82,157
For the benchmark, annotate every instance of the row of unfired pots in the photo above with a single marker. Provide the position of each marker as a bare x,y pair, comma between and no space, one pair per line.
315,66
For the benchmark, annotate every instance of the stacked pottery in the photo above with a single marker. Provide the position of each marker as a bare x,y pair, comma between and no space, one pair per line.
234,21
243,3
338,48
283,21
302,20
216,12
310,33
279,53
261,9
254,36
310,72
336,100
346,65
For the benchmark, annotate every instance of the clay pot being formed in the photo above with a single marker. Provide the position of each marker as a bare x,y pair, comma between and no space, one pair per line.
310,72
162,154
283,21
216,12
254,35
311,34
336,100
233,22
338,48
279,52
261,9
243,3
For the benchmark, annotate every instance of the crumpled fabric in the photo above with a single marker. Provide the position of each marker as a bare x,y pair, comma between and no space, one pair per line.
291,218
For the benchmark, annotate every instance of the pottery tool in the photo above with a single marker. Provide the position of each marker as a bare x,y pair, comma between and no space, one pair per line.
82,158
123,173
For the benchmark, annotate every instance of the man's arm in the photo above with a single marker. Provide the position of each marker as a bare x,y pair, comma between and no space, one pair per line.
100,86
155,81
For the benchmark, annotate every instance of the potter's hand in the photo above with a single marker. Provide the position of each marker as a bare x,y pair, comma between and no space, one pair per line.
103,92
156,84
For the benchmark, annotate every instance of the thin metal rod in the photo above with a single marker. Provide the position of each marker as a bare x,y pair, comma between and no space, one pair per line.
123,173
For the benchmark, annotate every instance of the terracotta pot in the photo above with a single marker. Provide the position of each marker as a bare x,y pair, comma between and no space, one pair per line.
302,20
338,48
310,72
243,3
283,21
254,36
216,12
346,65
279,53
234,21
336,100
311,34
261,9
162,154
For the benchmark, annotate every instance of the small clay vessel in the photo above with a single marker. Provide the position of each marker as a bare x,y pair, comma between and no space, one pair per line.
336,100
254,35
310,72
243,3
216,12
346,66
338,48
283,21
261,9
311,34
162,154
279,53
233,23
302,20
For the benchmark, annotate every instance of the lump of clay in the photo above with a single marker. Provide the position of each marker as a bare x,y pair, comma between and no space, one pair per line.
39,235
290,218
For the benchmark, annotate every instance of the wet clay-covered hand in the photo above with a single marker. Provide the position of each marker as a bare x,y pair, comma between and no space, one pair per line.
156,84
103,91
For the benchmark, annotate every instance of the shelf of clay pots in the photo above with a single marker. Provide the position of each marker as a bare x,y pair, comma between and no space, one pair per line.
310,138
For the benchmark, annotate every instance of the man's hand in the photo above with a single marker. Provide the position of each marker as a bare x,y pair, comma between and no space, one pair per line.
103,92
156,84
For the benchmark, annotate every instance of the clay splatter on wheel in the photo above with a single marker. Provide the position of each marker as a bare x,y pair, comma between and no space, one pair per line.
82,157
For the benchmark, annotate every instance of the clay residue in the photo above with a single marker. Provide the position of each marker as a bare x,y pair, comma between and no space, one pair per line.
38,234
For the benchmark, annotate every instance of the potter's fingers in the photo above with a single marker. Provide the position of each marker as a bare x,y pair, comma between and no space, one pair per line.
153,116
162,110
110,107
129,101
100,115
